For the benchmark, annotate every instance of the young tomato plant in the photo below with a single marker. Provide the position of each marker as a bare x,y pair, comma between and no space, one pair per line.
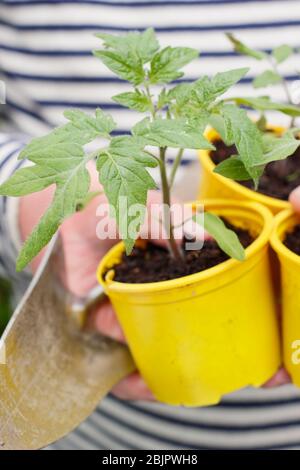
175,116
272,147
272,75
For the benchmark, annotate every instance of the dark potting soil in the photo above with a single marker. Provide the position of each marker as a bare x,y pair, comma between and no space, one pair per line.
292,240
279,178
155,264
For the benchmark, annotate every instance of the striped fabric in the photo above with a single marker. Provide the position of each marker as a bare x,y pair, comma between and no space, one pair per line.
46,63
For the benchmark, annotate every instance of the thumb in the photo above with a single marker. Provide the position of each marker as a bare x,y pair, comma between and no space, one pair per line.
295,199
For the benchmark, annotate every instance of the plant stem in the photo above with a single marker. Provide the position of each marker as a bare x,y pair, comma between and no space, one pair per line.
173,247
174,250
152,155
148,93
175,167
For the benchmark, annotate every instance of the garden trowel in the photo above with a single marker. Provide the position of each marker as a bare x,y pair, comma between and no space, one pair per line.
53,371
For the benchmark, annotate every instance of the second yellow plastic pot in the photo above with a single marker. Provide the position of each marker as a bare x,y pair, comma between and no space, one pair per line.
214,185
290,290
199,337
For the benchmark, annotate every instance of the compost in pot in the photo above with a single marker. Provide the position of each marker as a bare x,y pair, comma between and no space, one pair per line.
153,263
292,240
279,177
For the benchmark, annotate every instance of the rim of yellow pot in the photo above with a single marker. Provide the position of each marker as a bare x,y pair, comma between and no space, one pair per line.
209,204
283,222
208,164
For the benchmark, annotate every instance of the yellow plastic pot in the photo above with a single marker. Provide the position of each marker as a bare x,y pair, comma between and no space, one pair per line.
199,337
213,185
290,289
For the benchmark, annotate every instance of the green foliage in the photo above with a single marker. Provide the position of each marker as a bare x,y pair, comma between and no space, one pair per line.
176,133
268,77
263,103
122,172
166,64
227,239
126,55
134,47
174,117
194,99
233,168
222,126
59,159
276,148
241,48
247,138
134,100
281,53
262,123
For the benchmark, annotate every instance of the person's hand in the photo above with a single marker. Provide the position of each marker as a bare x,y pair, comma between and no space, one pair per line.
83,251
295,199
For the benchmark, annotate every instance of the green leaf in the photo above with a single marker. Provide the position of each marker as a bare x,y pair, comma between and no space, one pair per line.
117,63
241,48
278,148
233,168
83,203
206,90
28,180
134,100
69,192
195,100
59,159
222,81
197,121
135,46
147,45
247,138
269,77
226,239
164,99
262,123
180,93
223,128
123,174
264,103
55,148
166,63
126,55
176,133
102,124
282,53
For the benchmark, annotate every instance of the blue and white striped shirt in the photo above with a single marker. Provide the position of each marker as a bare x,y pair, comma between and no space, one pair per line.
46,63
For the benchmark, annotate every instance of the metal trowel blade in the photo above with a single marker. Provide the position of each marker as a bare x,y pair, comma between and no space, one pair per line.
53,374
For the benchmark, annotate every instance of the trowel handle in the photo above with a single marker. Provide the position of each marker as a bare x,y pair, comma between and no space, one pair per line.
79,308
